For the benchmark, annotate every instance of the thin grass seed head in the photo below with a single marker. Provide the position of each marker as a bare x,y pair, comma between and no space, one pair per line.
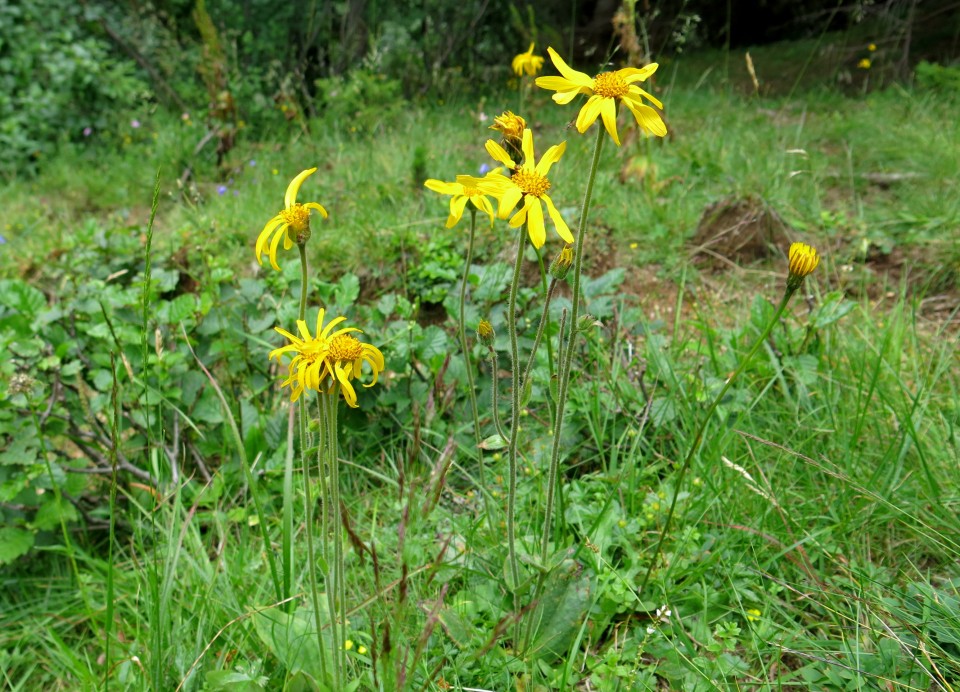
803,260
328,360
603,92
291,224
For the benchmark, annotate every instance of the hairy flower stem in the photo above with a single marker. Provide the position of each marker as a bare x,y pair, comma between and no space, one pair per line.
308,520
544,321
545,324
332,533
565,358
567,355
464,348
495,391
698,437
514,421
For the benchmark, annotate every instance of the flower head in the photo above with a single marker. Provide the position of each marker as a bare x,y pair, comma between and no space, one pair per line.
604,91
528,182
864,64
803,260
293,217
512,127
872,47
327,360
527,63
467,188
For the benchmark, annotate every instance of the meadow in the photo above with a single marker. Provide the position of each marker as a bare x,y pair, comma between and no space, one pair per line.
172,521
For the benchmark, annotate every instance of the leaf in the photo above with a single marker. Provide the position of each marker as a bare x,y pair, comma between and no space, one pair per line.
234,681
561,610
347,291
14,543
292,638
50,514
493,443
834,307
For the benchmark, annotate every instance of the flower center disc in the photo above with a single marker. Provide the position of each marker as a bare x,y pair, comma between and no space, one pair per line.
297,216
345,348
610,85
530,182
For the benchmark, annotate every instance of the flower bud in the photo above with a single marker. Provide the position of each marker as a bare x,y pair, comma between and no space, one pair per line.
485,333
561,263
803,260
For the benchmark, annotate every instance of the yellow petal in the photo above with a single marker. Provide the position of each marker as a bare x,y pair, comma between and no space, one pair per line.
444,188
508,201
265,234
551,157
636,91
535,228
578,78
294,187
498,153
588,114
456,210
562,229
647,118
273,246
319,208
608,110
527,148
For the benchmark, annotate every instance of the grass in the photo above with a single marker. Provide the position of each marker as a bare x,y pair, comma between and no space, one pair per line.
815,544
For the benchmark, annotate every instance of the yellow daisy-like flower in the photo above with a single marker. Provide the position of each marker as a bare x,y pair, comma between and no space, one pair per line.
604,91
872,47
528,182
293,219
328,359
466,189
864,64
527,63
803,260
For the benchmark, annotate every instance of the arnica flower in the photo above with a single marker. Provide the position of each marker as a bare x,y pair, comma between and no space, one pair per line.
864,64
294,217
528,182
872,47
527,63
467,188
328,359
803,260
604,91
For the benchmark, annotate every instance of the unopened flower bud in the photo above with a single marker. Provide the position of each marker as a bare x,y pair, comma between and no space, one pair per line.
485,333
803,260
561,263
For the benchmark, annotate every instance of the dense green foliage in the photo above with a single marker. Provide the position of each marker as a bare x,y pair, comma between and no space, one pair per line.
815,543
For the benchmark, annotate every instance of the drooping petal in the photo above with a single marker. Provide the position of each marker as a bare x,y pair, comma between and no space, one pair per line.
265,234
509,200
562,229
588,114
294,187
535,227
483,204
498,153
517,219
318,207
325,334
636,92
557,84
456,210
608,111
565,97
647,118
274,243
638,74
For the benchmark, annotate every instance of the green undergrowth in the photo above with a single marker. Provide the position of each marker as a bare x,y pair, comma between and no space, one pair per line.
815,541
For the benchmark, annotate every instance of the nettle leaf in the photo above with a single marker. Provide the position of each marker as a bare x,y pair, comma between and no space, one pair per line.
434,347
21,451
50,513
346,291
178,309
20,304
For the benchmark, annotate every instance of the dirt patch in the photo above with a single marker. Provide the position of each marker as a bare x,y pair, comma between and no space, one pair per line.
739,230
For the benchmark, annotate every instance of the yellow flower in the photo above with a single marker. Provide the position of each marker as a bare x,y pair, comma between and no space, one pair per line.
361,649
527,63
348,645
511,125
753,614
864,64
485,333
464,190
293,217
604,90
561,263
528,182
803,260
872,47
328,359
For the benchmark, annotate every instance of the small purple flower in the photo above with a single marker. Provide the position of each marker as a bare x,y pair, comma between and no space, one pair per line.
236,193
253,162
3,241
134,123
221,189
484,169
87,131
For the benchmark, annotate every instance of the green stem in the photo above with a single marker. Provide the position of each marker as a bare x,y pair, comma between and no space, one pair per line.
544,321
545,324
464,348
494,392
311,553
568,349
514,420
698,437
